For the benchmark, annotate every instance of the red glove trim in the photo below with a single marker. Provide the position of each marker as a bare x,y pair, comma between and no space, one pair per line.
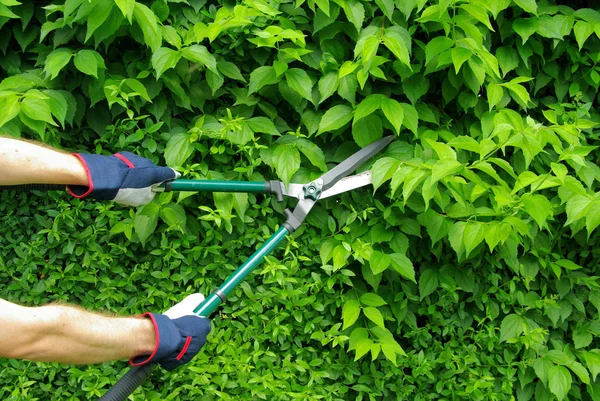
148,314
124,160
188,341
89,178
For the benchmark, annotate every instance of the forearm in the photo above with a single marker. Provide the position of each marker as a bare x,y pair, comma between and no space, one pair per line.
23,162
70,335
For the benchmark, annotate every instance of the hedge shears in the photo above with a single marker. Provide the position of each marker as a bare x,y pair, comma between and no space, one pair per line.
333,182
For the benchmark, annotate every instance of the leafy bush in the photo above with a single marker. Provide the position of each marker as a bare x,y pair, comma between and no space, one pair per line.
469,274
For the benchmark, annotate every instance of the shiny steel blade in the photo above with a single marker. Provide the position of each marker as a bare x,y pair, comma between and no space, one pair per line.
344,185
348,184
349,165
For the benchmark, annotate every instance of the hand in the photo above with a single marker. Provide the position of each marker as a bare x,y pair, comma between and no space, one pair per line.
180,334
122,177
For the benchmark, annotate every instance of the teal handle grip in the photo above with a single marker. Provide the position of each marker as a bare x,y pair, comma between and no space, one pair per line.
215,186
212,302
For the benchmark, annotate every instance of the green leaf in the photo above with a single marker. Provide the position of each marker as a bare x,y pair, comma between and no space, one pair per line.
436,46
538,207
559,381
200,54
230,70
37,109
174,215
58,105
164,59
379,262
382,170
6,12
362,347
583,30
146,220
528,5
580,371
312,152
215,80
394,112
525,27
367,130
86,61
479,13
437,226
473,236
335,118
371,299
592,360
508,59
286,159
428,282
542,367
149,25
519,93
555,27
459,56
395,40
350,313
444,168
403,265
56,61
511,327
592,217
374,315
137,87
10,107
299,81
126,7
411,117
355,12
261,77
328,84
415,87
576,208
262,124
494,95
98,16
179,149
368,106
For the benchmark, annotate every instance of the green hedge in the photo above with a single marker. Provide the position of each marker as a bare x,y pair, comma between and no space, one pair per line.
468,274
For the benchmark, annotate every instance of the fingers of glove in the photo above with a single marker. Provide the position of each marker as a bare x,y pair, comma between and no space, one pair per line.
193,331
147,176
134,196
185,307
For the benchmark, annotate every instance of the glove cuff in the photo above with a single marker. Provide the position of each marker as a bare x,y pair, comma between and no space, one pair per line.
80,191
167,335
101,172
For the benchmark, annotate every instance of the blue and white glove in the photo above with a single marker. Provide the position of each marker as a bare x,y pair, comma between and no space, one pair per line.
123,177
180,334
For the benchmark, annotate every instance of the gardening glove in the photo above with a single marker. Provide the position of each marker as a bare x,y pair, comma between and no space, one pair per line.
122,177
180,334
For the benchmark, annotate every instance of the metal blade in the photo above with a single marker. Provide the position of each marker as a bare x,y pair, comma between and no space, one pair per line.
348,184
344,185
353,162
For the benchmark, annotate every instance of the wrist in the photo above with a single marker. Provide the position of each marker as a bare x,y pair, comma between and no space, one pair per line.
145,335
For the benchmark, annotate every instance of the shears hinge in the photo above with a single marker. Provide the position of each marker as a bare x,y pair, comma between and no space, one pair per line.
313,190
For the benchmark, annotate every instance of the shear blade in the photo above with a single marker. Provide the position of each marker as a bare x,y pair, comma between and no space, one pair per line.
344,185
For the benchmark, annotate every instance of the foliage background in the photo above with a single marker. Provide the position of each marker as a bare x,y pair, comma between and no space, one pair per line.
470,273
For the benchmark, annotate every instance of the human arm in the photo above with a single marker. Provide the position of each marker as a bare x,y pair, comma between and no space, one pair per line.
123,177
67,334
24,162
